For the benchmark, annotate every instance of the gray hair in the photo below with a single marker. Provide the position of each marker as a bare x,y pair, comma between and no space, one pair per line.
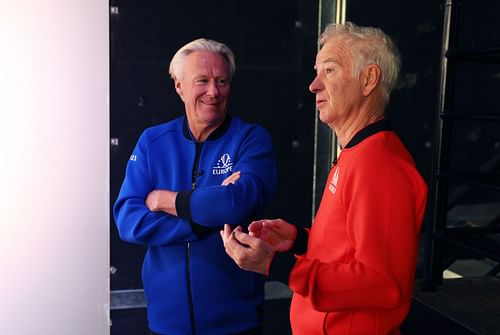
368,45
201,44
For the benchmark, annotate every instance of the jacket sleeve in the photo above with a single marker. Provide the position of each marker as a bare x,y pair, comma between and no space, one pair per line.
236,203
135,222
384,212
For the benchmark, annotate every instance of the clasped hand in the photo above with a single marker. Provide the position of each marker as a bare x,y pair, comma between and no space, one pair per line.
254,251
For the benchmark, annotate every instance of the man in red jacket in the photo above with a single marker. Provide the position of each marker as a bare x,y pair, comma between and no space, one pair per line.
354,270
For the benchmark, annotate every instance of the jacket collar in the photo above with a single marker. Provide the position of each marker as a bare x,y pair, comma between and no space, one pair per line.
217,133
371,129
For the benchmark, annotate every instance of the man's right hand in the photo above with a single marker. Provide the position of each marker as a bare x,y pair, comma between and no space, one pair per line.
278,233
249,253
161,201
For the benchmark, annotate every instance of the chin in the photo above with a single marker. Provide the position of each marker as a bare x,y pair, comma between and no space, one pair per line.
215,118
321,117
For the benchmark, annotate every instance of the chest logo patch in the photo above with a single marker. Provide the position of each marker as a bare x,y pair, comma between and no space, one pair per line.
333,183
224,165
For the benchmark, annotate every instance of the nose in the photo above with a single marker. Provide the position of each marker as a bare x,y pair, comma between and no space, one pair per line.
212,89
315,85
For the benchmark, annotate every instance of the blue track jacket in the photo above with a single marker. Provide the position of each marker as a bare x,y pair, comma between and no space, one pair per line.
192,286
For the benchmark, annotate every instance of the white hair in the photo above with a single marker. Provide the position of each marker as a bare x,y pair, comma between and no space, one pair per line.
202,44
368,45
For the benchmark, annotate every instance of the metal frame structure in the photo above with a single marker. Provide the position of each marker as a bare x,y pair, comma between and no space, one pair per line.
326,145
438,236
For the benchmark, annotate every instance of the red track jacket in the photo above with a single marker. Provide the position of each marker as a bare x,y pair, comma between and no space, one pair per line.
357,275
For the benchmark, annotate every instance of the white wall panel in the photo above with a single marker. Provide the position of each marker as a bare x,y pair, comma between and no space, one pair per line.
54,203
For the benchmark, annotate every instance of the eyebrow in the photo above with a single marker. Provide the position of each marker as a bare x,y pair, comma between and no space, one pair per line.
329,60
207,76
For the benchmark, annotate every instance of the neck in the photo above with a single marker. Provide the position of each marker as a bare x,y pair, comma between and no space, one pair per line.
346,130
200,134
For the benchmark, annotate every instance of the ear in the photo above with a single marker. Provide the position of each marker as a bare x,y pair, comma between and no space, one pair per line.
178,87
370,78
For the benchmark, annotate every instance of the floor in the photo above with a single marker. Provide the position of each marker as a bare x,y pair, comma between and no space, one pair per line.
423,318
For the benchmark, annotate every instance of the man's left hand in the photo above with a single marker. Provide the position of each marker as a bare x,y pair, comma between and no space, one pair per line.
231,179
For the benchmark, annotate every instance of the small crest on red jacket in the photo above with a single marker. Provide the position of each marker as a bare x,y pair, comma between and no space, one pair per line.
333,183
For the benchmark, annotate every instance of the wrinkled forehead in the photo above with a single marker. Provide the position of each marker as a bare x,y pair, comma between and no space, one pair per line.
206,61
206,58
333,51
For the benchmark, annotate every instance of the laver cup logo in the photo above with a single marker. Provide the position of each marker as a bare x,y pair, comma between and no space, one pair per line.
333,183
224,165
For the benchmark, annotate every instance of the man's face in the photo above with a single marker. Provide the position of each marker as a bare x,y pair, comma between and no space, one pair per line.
338,93
204,88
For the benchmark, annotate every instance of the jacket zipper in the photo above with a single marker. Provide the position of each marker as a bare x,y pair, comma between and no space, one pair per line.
335,162
188,245
325,331
190,294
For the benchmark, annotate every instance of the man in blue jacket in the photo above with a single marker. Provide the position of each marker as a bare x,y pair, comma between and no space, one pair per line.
185,179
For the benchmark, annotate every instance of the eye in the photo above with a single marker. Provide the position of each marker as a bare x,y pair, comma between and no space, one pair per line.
329,70
221,82
201,81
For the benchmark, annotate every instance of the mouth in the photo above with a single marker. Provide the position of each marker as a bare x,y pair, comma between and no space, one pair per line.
320,102
210,103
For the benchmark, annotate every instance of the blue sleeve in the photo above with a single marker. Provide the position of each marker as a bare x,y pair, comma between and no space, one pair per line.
135,222
239,202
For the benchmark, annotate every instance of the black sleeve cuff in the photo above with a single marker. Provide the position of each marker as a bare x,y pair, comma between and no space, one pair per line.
286,259
274,267
183,204
183,208
300,245
202,231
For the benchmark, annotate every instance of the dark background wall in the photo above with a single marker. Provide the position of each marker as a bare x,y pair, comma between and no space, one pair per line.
416,28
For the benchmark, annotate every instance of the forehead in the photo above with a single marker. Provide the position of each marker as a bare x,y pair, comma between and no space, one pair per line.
334,50
202,61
